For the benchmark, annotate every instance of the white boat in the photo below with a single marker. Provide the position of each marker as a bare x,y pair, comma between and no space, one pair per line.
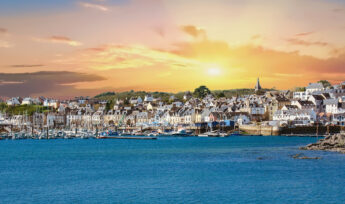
213,134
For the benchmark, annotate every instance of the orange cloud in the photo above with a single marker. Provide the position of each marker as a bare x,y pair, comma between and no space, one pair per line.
248,62
304,34
109,57
256,37
59,39
5,44
193,31
295,41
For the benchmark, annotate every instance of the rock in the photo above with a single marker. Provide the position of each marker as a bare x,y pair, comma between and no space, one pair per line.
297,155
335,143
302,156
309,158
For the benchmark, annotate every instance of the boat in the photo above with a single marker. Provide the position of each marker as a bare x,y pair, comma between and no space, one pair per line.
213,134
153,133
182,132
125,134
109,133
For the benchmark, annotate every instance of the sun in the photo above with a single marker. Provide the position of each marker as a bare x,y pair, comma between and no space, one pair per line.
214,71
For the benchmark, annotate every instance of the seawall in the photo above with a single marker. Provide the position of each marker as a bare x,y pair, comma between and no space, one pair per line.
260,130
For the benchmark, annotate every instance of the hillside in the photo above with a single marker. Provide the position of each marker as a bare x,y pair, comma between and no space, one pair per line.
165,95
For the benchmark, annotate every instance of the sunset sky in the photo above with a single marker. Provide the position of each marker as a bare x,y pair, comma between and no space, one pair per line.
64,48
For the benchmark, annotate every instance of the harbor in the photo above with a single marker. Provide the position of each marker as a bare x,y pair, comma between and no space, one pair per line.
59,170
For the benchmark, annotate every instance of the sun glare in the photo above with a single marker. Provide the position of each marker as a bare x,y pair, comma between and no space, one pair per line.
214,71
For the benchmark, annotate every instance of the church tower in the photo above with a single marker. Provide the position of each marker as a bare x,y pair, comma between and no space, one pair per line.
258,86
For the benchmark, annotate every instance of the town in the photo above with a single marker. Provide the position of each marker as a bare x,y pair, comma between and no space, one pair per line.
317,109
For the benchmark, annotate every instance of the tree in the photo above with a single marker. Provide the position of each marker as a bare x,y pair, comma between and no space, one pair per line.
325,83
110,105
105,94
298,89
201,92
220,94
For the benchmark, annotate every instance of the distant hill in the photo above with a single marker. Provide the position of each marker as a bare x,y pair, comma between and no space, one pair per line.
165,95
237,92
105,94
128,94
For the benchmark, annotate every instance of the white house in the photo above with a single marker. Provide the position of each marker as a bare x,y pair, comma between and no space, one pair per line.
27,101
148,98
333,106
301,95
313,87
51,103
13,102
304,117
339,119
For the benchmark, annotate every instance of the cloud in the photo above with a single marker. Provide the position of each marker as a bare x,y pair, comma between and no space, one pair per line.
299,42
287,75
159,31
304,34
338,10
109,57
337,51
278,67
94,6
3,31
48,83
26,65
59,39
5,44
194,31
256,37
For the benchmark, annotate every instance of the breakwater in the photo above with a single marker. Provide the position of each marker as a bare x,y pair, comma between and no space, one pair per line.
274,130
311,130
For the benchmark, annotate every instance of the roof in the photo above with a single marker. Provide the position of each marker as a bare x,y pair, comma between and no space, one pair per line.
330,101
291,107
306,103
326,95
315,86
318,97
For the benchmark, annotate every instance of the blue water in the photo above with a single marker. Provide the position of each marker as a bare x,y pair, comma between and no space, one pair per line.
169,170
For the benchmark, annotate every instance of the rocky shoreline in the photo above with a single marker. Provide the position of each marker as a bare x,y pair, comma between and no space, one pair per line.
334,143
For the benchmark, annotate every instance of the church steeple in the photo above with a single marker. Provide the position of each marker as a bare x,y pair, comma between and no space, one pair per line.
257,86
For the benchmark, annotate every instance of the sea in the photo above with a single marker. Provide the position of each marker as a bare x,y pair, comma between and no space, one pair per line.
239,169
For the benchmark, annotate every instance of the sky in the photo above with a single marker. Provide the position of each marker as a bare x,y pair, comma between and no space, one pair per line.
65,48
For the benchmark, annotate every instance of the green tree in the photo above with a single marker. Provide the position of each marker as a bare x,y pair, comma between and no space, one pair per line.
325,83
300,89
109,105
3,107
220,94
105,94
201,92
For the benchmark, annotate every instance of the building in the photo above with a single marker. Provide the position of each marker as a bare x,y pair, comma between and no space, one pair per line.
257,86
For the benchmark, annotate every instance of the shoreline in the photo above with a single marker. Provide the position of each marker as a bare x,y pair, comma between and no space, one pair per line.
9,137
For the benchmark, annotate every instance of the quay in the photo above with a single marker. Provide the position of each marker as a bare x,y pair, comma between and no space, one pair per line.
133,138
